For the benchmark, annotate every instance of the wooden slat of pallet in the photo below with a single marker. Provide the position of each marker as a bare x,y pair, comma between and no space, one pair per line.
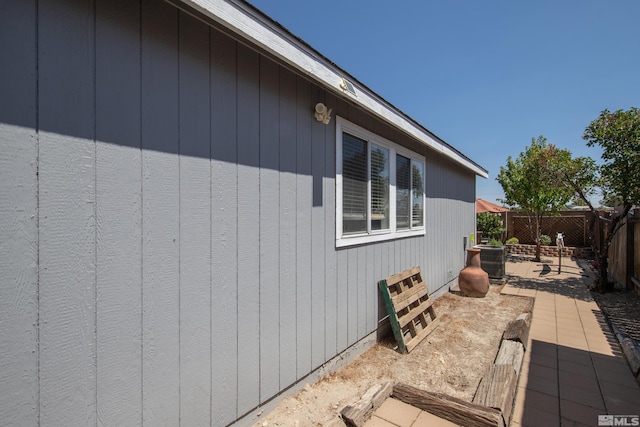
401,292
404,275
406,298
411,314
409,333
420,336
404,320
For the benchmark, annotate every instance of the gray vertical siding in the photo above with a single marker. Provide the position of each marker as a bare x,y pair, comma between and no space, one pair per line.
248,146
119,215
332,294
19,381
450,217
344,297
318,248
224,225
304,188
67,222
287,224
160,215
167,221
269,306
195,234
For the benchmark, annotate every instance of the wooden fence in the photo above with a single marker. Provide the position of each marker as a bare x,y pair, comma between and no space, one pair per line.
574,225
624,252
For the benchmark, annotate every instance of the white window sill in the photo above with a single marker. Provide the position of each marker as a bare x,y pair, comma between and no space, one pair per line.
363,239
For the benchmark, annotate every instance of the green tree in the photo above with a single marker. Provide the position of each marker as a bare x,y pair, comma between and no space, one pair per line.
529,187
490,224
618,134
579,176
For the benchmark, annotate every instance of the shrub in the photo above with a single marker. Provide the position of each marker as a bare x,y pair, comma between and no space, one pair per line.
513,241
495,242
545,240
490,225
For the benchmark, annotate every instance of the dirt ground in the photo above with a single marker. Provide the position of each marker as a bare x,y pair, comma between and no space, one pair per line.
451,360
622,308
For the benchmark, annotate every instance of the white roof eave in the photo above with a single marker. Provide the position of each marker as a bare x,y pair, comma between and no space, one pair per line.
243,21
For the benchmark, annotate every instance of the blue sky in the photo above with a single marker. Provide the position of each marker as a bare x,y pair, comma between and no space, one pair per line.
484,75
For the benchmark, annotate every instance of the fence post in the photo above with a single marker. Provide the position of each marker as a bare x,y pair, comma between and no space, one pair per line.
630,225
585,231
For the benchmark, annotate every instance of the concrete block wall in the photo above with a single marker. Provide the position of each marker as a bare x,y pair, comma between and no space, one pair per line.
550,251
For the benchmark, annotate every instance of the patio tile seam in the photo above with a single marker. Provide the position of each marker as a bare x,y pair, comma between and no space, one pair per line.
554,356
566,312
564,318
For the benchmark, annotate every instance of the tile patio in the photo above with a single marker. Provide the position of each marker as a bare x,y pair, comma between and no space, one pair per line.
573,369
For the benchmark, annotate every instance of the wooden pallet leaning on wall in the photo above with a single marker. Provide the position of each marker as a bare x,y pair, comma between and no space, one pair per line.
409,306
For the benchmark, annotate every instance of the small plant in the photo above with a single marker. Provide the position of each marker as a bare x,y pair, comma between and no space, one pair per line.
495,242
545,240
513,241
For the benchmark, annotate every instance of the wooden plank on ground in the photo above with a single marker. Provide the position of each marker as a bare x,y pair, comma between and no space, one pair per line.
510,353
518,330
632,353
449,408
358,414
497,389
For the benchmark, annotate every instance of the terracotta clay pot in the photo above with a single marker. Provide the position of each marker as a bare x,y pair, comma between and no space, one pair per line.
473,280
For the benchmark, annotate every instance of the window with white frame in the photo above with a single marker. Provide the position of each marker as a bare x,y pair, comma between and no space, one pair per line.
379,188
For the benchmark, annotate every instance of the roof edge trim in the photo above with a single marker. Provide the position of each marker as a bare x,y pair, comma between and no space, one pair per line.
240,18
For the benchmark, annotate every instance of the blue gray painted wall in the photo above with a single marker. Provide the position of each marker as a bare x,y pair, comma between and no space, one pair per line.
167,220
